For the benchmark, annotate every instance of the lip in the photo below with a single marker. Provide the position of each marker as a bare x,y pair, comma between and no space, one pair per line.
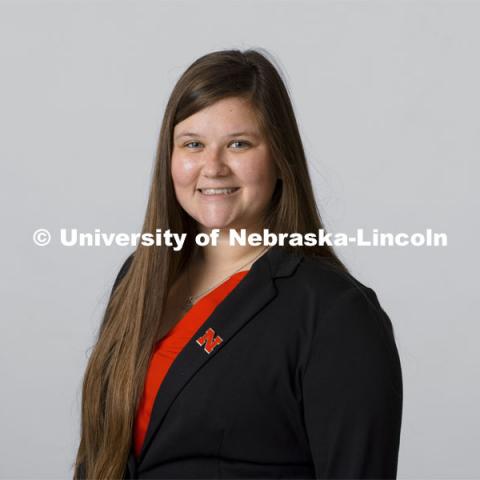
219,196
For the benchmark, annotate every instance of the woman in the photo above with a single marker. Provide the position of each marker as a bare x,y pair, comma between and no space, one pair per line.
238,361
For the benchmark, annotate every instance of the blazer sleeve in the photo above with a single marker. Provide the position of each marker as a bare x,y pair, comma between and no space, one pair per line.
352,390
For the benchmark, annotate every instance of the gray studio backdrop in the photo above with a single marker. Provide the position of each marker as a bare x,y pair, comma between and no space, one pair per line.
386,95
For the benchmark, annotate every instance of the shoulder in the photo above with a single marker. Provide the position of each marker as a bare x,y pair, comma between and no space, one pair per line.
346,322
336,300
123,270
330,284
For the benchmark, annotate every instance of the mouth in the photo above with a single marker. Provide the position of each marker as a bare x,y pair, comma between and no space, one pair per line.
218,191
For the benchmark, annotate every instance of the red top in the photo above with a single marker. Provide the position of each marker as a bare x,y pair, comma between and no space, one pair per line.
167,349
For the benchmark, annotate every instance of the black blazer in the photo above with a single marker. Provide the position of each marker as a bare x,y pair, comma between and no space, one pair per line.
306,382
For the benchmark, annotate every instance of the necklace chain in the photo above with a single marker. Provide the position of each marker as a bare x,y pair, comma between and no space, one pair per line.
189,302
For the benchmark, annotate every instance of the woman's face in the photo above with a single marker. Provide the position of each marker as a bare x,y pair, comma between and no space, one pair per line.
222,147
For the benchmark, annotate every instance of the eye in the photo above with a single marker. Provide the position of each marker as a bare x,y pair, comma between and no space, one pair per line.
244,142
190,143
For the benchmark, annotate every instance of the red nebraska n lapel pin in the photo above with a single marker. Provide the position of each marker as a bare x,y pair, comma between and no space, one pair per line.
209,340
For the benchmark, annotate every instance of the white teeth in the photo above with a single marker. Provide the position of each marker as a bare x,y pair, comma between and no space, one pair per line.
217,191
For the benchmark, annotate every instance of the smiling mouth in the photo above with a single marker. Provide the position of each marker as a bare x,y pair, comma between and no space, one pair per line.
217,191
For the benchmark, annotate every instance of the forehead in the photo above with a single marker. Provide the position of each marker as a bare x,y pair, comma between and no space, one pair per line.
228,115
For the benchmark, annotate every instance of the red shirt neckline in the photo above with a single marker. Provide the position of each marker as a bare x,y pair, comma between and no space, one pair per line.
211,299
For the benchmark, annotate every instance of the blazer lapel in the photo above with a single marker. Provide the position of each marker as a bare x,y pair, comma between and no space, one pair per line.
254,291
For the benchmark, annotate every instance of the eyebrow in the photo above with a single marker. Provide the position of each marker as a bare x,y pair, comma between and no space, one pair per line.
234,134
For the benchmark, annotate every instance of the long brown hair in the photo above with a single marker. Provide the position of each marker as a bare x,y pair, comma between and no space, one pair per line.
114,377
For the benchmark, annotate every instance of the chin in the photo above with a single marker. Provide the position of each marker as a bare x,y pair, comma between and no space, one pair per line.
220,224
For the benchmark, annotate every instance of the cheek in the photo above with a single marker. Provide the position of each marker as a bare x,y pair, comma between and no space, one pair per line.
183,171
258,173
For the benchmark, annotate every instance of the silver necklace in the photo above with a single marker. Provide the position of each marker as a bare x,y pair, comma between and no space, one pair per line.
189,302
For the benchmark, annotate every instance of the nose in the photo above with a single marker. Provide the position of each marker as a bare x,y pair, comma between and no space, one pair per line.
214,164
